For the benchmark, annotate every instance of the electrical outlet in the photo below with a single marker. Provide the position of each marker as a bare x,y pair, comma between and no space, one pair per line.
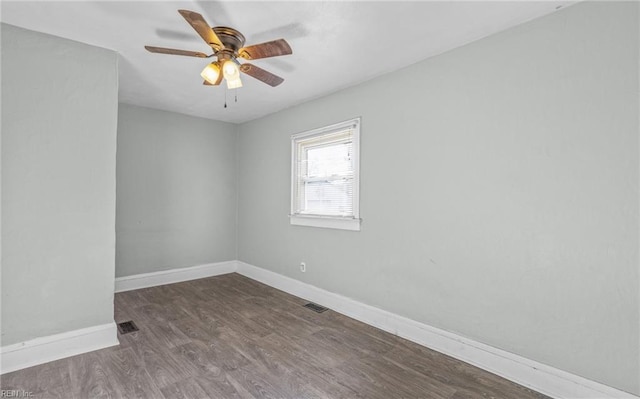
303,267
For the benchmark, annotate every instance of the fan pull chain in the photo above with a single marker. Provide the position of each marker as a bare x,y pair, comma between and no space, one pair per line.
236,93
225,99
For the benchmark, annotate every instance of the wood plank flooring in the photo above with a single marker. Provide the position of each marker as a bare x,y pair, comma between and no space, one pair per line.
231,337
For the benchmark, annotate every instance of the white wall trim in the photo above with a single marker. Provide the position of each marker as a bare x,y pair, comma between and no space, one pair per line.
537,376
325,222
58,346
145,280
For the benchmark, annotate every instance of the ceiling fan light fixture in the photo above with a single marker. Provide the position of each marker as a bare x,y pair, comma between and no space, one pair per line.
210,73
234,83
231,70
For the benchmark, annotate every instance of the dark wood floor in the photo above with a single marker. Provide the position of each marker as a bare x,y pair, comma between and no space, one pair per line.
231,337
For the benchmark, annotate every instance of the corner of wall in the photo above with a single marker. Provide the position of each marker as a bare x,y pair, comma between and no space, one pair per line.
237,128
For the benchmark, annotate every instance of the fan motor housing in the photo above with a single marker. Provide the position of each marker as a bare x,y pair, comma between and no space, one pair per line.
230,38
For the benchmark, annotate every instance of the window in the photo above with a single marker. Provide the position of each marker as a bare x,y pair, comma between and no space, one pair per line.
324,176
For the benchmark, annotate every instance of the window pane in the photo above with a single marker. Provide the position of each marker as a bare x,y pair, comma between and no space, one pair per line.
329,160
329,197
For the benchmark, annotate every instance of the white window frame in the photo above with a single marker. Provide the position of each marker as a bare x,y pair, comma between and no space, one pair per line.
328,221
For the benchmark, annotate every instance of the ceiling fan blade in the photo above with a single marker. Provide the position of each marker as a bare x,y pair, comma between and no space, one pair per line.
260,74
264,50
163,50
202,27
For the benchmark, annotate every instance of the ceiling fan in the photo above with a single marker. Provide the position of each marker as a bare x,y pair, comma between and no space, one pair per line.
227,45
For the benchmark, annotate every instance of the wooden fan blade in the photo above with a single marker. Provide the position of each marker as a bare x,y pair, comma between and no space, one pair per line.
163,50
264,50
202,27
260,74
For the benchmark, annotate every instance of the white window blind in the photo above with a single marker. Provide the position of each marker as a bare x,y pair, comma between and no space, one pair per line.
325,172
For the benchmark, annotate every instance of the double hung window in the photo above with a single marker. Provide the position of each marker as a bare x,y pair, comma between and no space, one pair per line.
325,176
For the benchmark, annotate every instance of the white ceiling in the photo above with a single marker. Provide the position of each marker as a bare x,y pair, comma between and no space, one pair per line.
335,44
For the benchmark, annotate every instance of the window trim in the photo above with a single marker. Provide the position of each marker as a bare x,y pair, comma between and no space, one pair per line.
327,221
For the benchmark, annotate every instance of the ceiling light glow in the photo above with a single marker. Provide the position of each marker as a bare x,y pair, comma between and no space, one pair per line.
211,73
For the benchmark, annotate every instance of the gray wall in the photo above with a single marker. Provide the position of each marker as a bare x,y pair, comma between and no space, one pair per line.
499,193
58,184
176,194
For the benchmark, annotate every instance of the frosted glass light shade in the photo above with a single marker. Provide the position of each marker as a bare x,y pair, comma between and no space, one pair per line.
234,83
230,70
210,73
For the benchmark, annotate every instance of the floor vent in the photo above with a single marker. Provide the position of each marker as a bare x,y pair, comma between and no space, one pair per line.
127,327
316,308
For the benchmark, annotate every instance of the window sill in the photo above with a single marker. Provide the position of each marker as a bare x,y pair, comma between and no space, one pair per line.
326,222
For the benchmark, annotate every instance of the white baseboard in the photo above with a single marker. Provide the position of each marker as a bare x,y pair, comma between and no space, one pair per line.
145,280
53,347
539,377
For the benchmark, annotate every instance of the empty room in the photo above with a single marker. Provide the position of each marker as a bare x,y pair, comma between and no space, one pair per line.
320,199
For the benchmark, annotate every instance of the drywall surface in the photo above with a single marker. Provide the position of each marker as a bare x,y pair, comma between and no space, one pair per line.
176,194
58,184
499,193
